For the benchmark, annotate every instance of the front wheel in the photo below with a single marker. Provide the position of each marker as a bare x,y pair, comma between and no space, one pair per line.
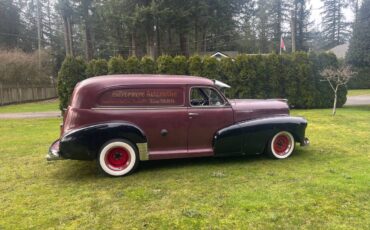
118,158
281,145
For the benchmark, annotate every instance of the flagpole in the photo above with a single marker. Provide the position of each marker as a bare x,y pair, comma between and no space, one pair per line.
280,44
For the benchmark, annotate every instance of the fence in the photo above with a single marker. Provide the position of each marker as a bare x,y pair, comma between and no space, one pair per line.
10,94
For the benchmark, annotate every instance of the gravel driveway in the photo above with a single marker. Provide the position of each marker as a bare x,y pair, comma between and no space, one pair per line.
351,101
30,115
358,100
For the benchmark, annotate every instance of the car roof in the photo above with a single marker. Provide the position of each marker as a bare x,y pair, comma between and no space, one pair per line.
144,79
85,92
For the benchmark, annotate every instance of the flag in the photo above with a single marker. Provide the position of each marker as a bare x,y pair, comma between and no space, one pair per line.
282,45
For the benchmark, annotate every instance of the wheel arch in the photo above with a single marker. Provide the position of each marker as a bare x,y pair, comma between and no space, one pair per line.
251,137
85,143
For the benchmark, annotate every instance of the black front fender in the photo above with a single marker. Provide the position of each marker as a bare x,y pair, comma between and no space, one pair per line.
85,143
251,137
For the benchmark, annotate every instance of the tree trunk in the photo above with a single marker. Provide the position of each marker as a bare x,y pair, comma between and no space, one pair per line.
335,103
158,40
184,44
70,36
133,44
294,28
88,45
149,45
196,46
66,36
169,47
204,41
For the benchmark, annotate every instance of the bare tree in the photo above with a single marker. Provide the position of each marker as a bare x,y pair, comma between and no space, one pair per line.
337,77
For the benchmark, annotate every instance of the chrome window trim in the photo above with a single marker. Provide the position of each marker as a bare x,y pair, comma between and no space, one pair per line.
225,105
137,108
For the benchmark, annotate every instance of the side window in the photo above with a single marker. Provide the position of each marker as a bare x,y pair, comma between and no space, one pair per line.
205,97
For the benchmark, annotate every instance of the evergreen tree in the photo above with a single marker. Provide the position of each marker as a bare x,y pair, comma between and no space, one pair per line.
300,17
262,28
278,16
358,54
359,48
335,28
10,25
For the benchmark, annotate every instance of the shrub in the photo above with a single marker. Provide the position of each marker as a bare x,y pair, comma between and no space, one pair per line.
228,73
148,65
133,65
96,67
180,65
165,65
195,65
211,68
117,65
72,71
18,67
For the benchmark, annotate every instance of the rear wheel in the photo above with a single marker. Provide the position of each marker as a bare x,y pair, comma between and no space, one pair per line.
281,145
118,158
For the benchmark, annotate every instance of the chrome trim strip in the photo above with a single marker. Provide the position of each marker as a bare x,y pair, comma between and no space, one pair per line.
137,108
143,151
305,142
53,155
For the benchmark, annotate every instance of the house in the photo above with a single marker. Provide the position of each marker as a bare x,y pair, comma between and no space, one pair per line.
222,54
340,50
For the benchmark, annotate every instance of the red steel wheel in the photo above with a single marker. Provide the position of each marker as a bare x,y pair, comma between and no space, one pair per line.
281,145
118,158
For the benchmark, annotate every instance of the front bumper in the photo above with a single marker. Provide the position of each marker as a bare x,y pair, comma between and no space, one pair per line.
305,142
53,153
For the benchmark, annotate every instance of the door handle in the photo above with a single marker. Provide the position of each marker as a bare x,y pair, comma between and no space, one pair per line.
193,114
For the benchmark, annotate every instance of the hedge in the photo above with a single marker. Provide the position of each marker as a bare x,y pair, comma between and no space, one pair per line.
361,80
18,67
72,71
293,76
96,67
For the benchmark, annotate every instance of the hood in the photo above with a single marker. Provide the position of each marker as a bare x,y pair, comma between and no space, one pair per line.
248,109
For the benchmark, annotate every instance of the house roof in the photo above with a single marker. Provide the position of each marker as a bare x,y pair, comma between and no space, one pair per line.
340,50
231,54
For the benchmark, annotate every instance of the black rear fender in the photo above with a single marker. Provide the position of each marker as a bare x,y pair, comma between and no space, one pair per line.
85,143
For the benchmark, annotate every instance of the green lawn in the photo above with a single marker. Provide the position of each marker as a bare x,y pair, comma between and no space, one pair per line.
324,186
357,92
41,106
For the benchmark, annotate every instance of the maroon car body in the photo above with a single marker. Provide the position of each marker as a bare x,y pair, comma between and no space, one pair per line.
164,117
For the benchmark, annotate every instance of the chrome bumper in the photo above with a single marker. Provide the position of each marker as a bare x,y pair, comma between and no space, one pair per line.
305,142
53,153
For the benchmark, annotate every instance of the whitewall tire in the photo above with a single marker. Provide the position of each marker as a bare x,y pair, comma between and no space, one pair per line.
118,158
281,145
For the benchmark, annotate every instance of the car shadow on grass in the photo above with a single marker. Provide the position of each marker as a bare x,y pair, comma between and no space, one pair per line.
89,170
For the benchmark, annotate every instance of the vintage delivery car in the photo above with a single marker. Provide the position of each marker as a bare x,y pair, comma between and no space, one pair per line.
121,120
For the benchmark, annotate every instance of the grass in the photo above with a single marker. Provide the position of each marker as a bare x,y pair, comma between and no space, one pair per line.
324,186
41,106
358,92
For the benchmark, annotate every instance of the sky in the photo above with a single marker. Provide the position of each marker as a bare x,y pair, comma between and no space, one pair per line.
316,12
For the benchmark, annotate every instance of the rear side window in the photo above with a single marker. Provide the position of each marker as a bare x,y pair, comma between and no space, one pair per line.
142,97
